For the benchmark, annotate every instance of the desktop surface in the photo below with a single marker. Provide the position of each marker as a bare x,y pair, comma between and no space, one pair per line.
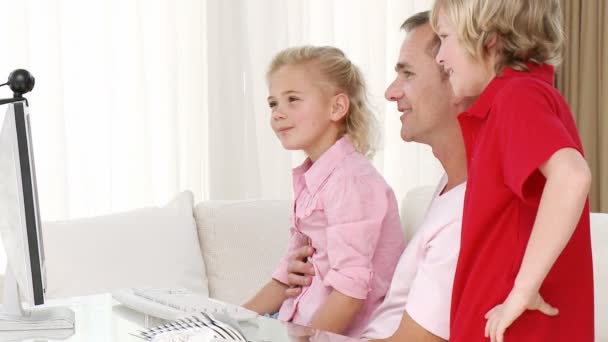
100,318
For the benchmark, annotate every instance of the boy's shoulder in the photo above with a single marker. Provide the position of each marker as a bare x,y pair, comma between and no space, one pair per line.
527,91
524,85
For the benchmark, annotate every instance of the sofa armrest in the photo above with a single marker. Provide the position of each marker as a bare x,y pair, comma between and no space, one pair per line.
599,245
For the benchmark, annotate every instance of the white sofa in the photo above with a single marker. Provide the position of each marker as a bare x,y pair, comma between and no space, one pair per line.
226,249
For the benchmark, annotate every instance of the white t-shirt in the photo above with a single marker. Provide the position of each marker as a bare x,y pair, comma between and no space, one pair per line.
422,282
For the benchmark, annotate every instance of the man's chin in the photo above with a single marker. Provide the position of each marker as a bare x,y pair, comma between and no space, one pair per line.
407,137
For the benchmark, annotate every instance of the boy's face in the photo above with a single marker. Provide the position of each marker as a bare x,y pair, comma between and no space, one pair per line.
468,76
301,111
422,94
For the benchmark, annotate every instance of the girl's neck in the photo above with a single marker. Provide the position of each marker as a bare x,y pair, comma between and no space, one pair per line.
324,143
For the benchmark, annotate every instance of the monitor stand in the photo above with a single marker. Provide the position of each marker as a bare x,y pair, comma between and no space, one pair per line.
13,317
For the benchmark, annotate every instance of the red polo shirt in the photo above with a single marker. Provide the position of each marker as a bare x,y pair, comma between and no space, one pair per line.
514,126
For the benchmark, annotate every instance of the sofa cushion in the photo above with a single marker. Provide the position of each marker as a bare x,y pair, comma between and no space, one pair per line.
599,245
150,247
414,207
242,242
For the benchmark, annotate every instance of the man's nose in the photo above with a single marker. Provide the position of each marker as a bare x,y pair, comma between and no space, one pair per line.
394,91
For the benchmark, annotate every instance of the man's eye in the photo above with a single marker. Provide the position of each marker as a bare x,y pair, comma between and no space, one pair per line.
272,104
408,74
292,99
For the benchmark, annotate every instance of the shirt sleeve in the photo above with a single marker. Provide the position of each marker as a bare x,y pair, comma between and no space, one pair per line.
428,302
355,208
532,131
296,241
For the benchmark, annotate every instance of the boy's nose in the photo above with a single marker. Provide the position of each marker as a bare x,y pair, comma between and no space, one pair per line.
439,57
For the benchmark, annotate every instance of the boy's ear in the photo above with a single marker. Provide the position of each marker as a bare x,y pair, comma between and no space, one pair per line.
339,107
492,41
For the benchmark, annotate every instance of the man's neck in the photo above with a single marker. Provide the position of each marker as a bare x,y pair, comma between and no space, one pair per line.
450,152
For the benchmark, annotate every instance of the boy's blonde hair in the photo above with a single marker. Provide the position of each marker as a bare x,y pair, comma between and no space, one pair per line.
527,30
359,123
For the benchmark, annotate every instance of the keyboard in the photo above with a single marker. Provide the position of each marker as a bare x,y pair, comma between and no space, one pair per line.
173,304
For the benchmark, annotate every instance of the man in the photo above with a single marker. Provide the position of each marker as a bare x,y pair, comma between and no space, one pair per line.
417,305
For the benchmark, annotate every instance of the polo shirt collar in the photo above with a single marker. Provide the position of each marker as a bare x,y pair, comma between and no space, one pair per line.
481,107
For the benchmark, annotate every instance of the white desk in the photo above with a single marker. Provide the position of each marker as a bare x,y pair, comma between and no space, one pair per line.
99,318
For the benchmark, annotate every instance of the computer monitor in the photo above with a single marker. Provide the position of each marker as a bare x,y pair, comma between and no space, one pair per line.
20,229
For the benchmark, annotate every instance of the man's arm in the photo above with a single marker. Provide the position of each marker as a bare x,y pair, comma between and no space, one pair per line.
410,331
269,299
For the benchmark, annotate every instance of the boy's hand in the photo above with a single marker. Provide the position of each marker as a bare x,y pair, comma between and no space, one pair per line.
299,271
503,315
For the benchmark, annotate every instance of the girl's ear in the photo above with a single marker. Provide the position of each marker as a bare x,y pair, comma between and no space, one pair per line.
339,107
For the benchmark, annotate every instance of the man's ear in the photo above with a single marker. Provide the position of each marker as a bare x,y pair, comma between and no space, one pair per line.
457,100
339,107
463,101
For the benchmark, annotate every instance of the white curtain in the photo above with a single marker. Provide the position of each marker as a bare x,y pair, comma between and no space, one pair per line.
138,100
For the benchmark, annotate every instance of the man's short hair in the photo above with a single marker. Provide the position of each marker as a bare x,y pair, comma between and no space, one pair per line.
421,19
416,21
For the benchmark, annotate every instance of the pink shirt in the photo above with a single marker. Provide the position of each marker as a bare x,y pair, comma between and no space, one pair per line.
422,284
346,211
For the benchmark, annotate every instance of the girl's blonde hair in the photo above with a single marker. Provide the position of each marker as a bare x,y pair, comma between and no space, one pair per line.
359,123
527,30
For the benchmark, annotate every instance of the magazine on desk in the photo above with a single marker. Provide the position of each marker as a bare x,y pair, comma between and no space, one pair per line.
211,328
198,328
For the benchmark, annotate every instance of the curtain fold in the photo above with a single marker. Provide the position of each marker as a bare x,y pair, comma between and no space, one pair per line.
583,79
136,100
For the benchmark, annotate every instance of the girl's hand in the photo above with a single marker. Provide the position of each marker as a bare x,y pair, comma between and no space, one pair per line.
503,315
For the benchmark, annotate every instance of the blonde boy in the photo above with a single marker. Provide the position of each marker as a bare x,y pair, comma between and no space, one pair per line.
525,270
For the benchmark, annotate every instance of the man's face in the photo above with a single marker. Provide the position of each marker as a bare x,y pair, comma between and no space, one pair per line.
423,94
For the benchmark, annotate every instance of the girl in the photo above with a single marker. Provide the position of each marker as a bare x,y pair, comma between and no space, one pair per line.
525,229
343,208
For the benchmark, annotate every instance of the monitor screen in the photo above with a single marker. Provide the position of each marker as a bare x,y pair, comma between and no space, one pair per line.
19,214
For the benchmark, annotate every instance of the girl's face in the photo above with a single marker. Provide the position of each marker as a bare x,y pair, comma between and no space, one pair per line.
468,77
302,116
